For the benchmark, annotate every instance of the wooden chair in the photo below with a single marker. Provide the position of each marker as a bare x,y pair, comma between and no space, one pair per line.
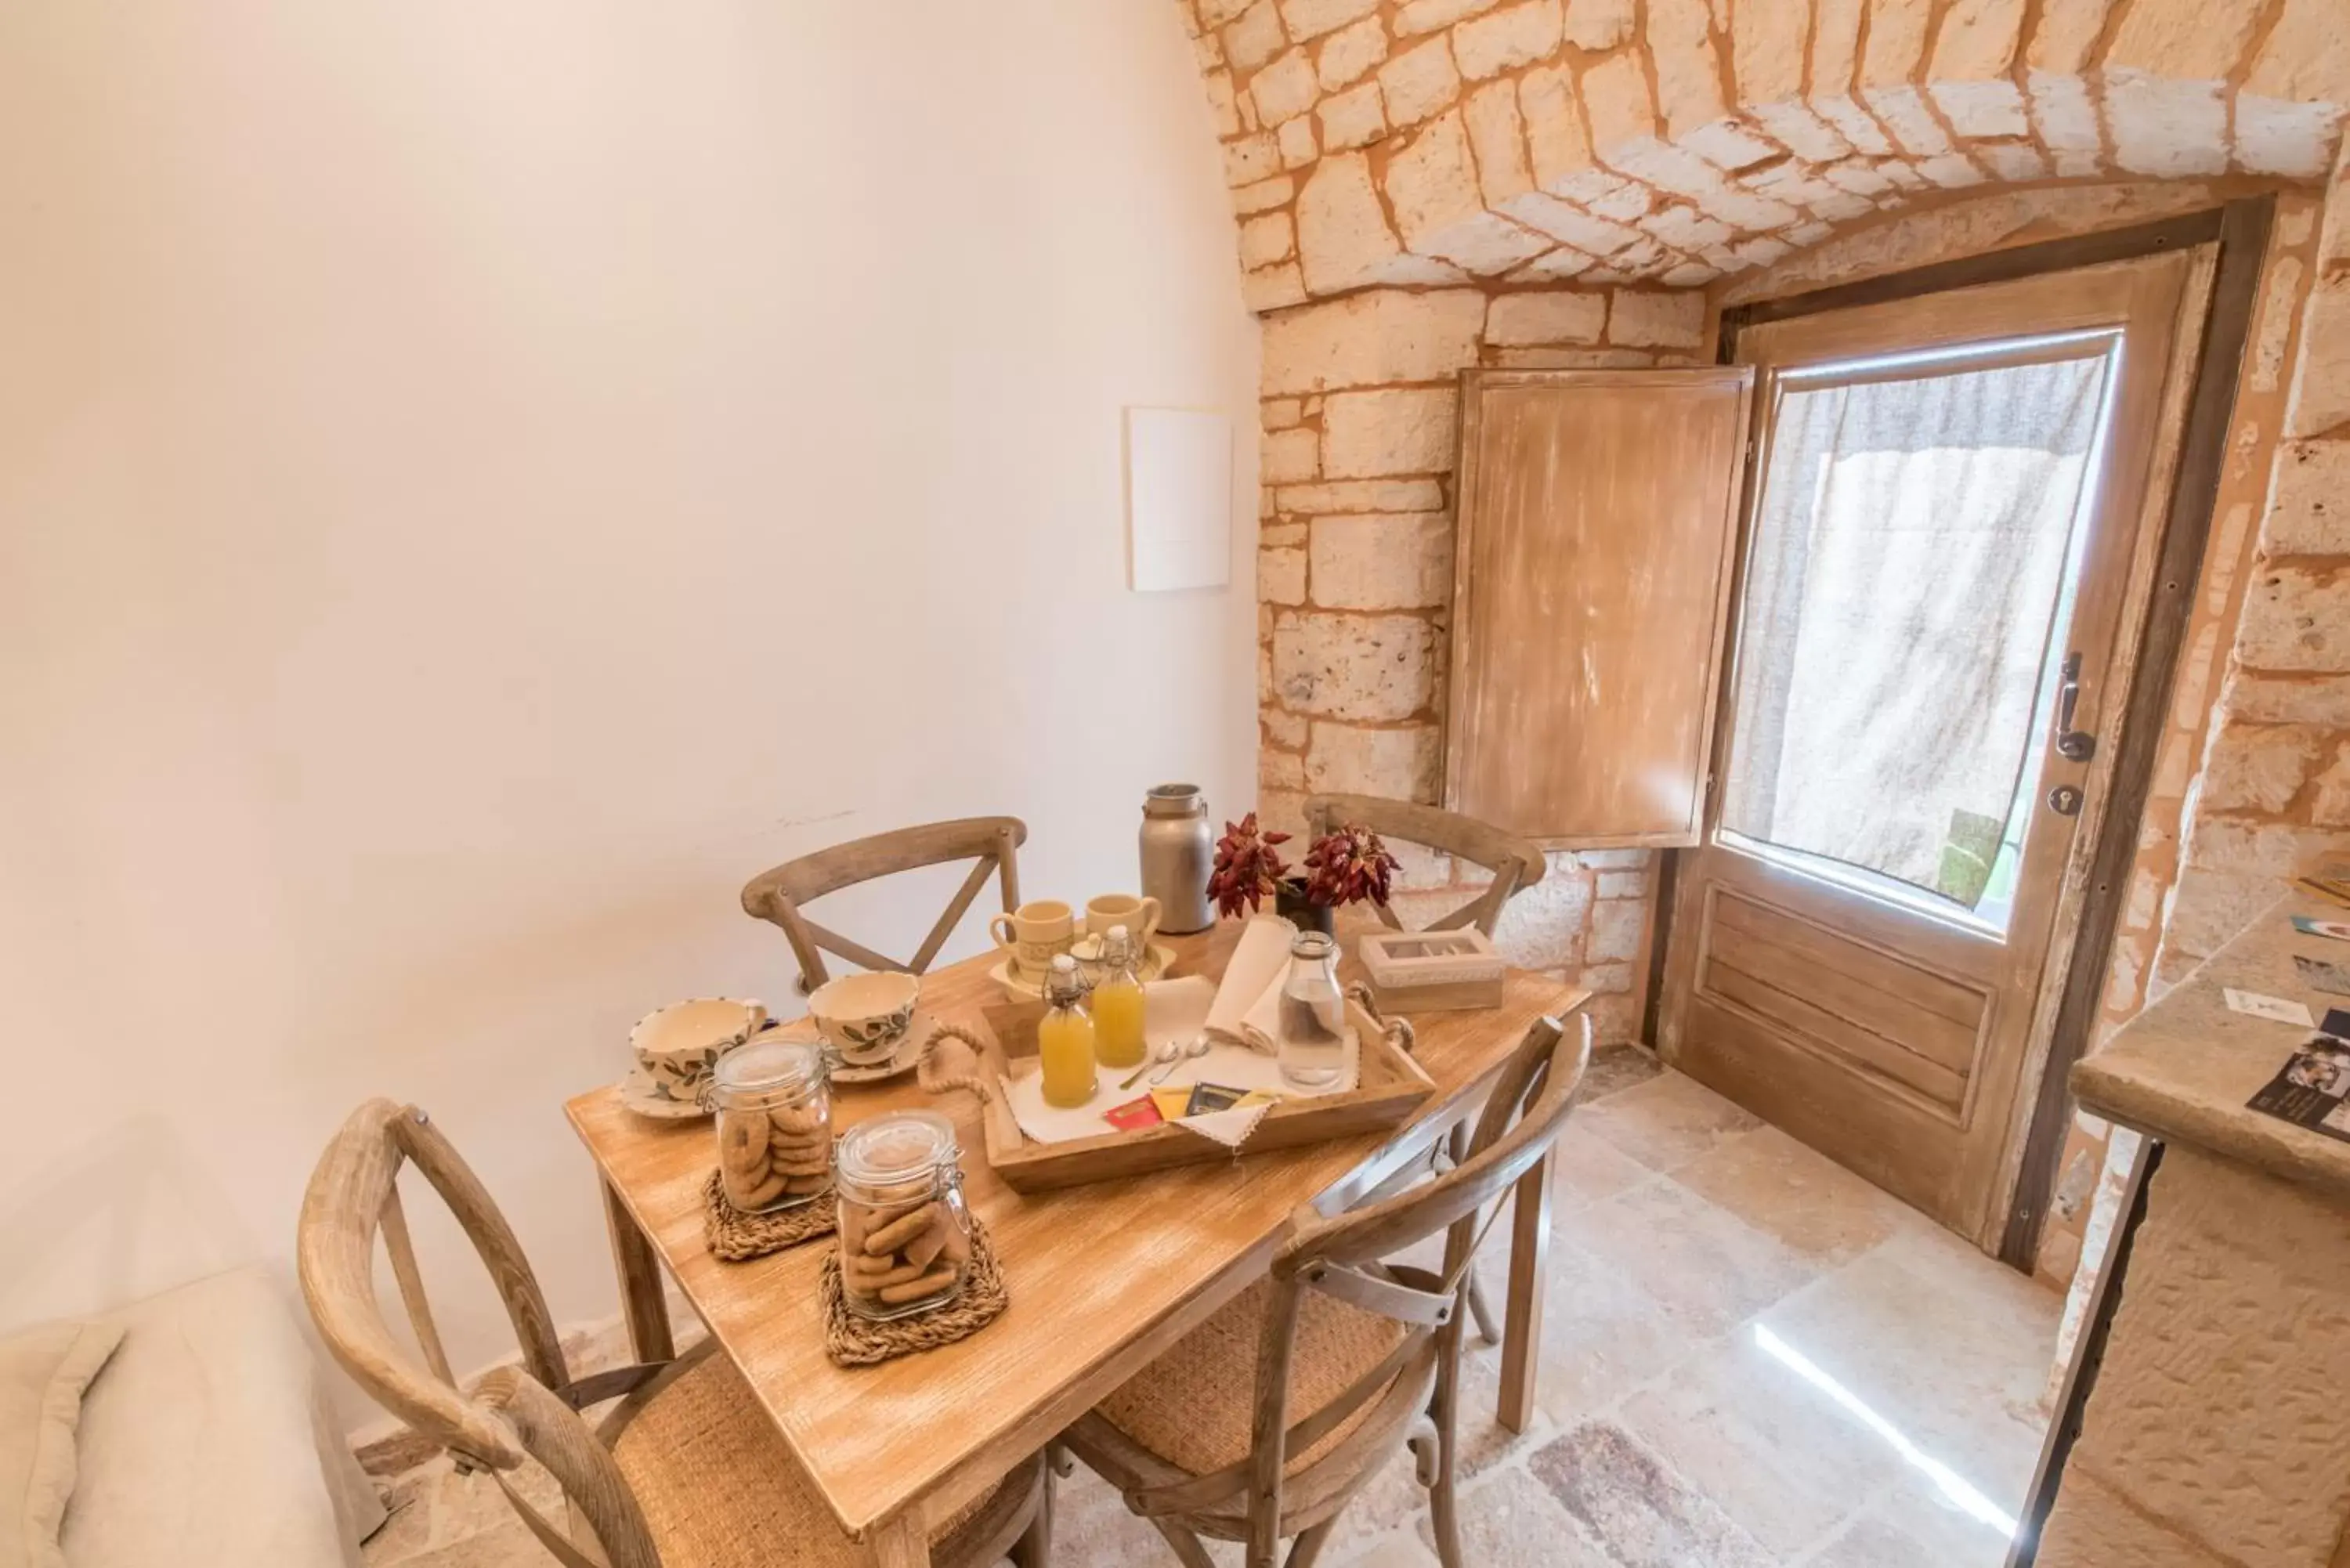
1350,1356
776,896
686,1472
1516,865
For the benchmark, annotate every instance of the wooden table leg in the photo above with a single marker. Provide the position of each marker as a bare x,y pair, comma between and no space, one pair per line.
902,1543
642,1303
1529,1267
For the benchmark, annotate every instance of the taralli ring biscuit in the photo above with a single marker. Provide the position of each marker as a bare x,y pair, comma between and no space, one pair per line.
767,1192
742,1140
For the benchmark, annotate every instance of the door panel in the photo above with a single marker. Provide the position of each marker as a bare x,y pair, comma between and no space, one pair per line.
1949,528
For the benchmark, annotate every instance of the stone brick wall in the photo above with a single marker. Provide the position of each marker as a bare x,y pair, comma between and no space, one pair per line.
1362,410
2219,1433
1425,142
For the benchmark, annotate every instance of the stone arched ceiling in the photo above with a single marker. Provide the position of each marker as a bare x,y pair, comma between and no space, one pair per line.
1568,141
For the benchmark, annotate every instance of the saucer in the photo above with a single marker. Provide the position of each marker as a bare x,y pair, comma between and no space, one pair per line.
636,1092
1154,966
916,1040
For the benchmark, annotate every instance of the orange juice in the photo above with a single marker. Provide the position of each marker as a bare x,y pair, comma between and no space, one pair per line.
1118,1022
1064,1045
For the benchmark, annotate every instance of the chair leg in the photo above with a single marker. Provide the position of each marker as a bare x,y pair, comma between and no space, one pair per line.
1187,1546
1308,1544
1035,1547
1443,1517
1488,1330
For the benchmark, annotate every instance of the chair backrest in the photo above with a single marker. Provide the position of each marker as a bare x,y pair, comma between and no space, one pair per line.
1515,863
527,1411
777,896
1341,1256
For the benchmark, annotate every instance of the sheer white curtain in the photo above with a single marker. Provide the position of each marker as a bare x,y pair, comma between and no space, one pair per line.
1908,566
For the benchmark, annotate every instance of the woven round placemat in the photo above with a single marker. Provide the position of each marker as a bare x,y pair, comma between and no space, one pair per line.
738,1238
853,1341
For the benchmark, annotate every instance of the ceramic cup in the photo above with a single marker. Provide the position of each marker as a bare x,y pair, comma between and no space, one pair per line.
1034,934
864,1017
678,1044
1139,916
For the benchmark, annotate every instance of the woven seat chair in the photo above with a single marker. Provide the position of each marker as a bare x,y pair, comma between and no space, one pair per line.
777,896
685,1471
1516,864
1261,1424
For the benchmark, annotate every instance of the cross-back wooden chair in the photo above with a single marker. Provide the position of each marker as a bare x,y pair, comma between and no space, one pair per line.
777,896
687,1471
1516,864
1351,1356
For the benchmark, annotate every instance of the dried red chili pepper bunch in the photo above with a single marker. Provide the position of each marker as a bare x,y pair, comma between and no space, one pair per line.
1349,867
1248,868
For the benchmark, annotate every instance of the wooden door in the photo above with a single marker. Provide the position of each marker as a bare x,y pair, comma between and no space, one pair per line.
1591,593
1952,513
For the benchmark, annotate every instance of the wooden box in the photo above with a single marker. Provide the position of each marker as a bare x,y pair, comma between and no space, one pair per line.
1389,1088
1431,971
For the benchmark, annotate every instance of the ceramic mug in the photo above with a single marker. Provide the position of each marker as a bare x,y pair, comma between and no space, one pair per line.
1034,934
678,1044
864,1017
1139,916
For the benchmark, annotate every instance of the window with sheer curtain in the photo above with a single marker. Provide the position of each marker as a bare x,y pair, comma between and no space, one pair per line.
1908,576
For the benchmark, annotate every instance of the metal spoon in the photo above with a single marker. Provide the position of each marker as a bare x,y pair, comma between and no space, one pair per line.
1160,1057
1196,1049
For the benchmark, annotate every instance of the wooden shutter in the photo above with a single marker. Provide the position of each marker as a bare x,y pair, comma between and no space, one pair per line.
1591,595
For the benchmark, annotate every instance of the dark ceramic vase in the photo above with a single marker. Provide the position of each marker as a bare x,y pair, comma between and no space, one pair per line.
1290,902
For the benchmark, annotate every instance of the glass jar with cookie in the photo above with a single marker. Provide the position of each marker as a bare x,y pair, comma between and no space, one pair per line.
774,1124
905,1232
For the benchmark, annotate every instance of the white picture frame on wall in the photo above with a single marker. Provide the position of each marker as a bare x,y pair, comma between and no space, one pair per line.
1178,499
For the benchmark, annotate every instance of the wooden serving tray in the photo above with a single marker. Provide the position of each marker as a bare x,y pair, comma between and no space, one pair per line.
1388,1087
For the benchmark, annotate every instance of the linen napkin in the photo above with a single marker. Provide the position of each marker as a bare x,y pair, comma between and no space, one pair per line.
1246,1011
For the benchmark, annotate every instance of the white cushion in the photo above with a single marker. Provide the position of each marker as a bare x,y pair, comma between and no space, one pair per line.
207,1442
43,1374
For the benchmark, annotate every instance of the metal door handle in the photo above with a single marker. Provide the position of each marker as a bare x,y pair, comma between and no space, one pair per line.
2074,745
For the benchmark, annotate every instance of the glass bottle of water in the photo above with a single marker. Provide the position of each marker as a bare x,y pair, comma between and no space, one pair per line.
1312,1045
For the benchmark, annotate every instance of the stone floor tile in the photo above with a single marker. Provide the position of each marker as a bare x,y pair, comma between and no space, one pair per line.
1922,1507
1390,1503
1644,1515
1704,1266
1946,1346
1585,1167
1667,1121
1512,1521
1397,1549
1785,1462
1615,1068
1091,1523
1603,1335
1873,1543
1800,1196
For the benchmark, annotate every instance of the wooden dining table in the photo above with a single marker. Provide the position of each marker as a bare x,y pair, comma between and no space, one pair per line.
1102,1278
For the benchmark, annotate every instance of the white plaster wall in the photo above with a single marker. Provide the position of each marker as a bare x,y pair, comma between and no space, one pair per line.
476,485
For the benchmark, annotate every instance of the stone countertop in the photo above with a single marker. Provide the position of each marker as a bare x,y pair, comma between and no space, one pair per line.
2182,1070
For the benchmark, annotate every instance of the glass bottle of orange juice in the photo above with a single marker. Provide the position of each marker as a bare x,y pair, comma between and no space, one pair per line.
1064,1039
1118,1004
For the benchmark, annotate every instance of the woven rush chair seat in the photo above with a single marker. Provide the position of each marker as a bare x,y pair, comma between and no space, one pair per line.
1193,1406
721,1488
